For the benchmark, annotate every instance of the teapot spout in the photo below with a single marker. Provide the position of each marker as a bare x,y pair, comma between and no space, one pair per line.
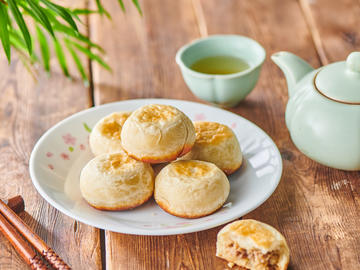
293,67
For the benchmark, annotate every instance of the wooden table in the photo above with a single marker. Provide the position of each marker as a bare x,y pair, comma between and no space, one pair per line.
315,207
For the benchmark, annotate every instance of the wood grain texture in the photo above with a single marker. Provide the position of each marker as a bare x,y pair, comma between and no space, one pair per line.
320,236
27,109
315,207
336,24
142,50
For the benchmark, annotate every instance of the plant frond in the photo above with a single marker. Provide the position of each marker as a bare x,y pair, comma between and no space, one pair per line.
62,12
61,57
21,23
52,22
78,63
90,54
4,33
41,16
44,48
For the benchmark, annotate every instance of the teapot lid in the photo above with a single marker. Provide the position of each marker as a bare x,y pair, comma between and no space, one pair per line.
340,81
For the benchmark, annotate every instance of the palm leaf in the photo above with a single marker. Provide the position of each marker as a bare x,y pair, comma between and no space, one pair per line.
101,9
121,3
27,62
21,23
90,54
137,5
62,12
42,18
61,57
59,27
4,33
83,11
78,63
80,37
17,41
52,18
44,48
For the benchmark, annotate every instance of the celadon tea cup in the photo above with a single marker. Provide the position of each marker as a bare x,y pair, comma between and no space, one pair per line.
224,90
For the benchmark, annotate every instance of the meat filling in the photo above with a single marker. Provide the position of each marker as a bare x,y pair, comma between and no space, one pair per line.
254,258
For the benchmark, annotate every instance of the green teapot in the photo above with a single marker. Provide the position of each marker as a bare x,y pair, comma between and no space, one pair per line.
323,111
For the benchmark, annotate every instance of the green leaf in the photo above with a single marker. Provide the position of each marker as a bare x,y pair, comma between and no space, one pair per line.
21,48
101,9
44,48
78,63
48,14
137,5
17,39
21,23
80,11
121,3
63,13
27,62
18,42
87,128
43,19
80,37
4,33
91,55
28,11
61,57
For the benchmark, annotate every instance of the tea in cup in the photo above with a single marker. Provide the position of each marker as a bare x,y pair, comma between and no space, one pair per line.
221,69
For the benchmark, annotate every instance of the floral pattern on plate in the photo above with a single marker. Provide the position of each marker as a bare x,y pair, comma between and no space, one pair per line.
61,153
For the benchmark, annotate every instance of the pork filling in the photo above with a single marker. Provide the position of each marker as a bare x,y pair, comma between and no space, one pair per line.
254,258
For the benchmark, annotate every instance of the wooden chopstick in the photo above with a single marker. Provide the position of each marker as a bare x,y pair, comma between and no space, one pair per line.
54,260
16,204
20,245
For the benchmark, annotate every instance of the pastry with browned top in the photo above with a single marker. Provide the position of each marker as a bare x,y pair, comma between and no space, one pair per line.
116,182
191,188
157,133
105,136
216,143
253,245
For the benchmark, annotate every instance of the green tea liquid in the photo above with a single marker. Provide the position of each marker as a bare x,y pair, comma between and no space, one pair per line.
220,65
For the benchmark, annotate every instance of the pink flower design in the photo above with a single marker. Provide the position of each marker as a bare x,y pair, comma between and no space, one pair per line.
51,167
233,125
49,154
82,147
199,117
68,139
65,156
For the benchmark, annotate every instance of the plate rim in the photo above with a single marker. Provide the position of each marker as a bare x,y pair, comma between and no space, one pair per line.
138,231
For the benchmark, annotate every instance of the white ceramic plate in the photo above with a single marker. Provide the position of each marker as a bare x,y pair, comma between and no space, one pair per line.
61,153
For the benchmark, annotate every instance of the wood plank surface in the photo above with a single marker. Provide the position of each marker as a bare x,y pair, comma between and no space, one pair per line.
299,207
27,109
334,26
315,207
143,52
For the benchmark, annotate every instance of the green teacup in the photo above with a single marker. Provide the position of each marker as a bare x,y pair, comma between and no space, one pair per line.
224,90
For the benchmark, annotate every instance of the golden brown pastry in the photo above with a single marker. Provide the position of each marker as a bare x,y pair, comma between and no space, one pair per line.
157,133
253,245
216,143
105,136
191,188
116,182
